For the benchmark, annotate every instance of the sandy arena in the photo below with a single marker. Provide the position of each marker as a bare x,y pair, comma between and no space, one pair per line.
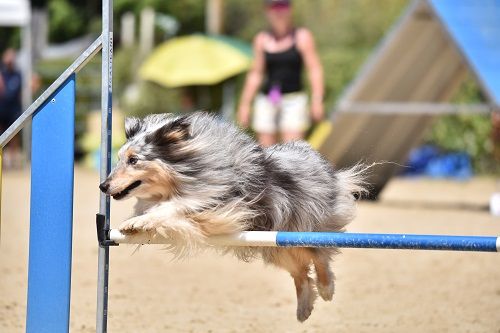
376,291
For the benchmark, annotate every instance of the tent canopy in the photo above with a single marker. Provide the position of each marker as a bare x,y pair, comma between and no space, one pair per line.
14,13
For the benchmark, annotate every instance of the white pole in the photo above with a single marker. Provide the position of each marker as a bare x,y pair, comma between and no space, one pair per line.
214,16
128,29
147,30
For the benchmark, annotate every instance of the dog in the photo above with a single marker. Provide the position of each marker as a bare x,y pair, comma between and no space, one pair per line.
196,176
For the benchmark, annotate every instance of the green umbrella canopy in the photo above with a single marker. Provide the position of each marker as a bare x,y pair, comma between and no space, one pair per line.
196,60
238,44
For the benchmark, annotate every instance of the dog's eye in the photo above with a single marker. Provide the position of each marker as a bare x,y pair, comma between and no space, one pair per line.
132,160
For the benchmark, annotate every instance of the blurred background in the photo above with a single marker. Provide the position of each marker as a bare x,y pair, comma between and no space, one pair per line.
346,33
412,83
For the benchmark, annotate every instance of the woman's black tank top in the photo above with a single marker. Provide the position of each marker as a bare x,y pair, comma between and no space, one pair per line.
284,69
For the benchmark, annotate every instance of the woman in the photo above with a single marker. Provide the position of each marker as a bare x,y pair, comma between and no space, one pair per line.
281,107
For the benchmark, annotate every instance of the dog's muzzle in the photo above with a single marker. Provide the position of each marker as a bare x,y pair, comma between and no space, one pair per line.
122,194
104,186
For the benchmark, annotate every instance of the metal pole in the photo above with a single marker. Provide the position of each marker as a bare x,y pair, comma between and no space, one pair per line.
27,99
106,113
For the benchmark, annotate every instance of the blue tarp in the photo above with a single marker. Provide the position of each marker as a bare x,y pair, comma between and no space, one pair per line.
428,160
474,25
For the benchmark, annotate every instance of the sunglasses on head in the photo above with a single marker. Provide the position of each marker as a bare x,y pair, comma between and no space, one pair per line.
278,6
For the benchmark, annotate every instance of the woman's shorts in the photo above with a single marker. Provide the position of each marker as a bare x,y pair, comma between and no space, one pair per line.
290,115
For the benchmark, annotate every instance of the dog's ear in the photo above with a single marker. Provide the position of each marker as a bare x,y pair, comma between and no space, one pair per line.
132,127
178,130
173,132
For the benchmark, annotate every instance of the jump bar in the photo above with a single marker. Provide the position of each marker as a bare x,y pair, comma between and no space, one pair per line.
333,239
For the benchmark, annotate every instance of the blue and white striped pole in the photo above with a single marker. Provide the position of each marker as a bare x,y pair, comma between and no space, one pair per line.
333,239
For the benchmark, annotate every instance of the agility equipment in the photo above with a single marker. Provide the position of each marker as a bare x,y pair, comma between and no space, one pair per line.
52,114
409,80
332,239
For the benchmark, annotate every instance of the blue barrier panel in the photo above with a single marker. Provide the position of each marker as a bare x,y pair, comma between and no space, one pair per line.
51,220
475,26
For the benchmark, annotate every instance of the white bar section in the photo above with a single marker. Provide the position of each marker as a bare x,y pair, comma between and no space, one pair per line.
246,238
498,244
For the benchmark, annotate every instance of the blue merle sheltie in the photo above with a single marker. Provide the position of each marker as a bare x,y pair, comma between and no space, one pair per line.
196,176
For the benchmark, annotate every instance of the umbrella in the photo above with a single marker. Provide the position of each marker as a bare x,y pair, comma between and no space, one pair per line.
196,60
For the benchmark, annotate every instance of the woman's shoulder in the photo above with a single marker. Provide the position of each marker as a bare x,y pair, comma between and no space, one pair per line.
302,33
303,37
261,38
263,35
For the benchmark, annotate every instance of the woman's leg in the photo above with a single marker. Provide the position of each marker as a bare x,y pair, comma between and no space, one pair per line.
294,119
266,139
292,136
264,121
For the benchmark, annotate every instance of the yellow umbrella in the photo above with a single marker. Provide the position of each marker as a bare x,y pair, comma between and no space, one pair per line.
196,60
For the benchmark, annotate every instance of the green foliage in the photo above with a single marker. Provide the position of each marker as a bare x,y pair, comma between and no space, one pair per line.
469,133
147,97
66,21
466,132
69,19
122,6
243,19
190,13
10,37
124,68
340,67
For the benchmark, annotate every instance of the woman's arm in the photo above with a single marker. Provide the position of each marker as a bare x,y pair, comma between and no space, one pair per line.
253,81
306,46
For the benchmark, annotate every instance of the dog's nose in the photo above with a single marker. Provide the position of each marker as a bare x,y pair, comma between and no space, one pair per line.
104,186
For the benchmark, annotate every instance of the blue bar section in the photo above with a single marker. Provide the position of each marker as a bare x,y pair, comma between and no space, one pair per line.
387,241
51,220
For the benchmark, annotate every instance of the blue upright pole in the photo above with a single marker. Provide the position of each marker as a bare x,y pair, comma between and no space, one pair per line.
51,220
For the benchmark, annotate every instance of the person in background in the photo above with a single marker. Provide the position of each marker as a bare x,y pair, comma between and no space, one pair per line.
10,104
281,109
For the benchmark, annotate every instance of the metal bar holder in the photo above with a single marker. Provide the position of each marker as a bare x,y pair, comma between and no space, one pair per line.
103,231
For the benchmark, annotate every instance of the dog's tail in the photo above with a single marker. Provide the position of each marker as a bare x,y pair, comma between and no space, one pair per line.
351,184
353,181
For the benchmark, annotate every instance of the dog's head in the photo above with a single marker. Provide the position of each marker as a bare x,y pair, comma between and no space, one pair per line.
146,166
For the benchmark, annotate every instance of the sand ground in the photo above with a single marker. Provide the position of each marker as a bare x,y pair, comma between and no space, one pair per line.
377,290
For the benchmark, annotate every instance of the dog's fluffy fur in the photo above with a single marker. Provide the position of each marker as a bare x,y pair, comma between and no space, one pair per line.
195,176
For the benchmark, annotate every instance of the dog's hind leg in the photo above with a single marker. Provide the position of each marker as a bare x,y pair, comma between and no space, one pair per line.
324,276
306,295
297,263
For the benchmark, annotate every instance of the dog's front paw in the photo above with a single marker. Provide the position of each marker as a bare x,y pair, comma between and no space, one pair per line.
133,226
